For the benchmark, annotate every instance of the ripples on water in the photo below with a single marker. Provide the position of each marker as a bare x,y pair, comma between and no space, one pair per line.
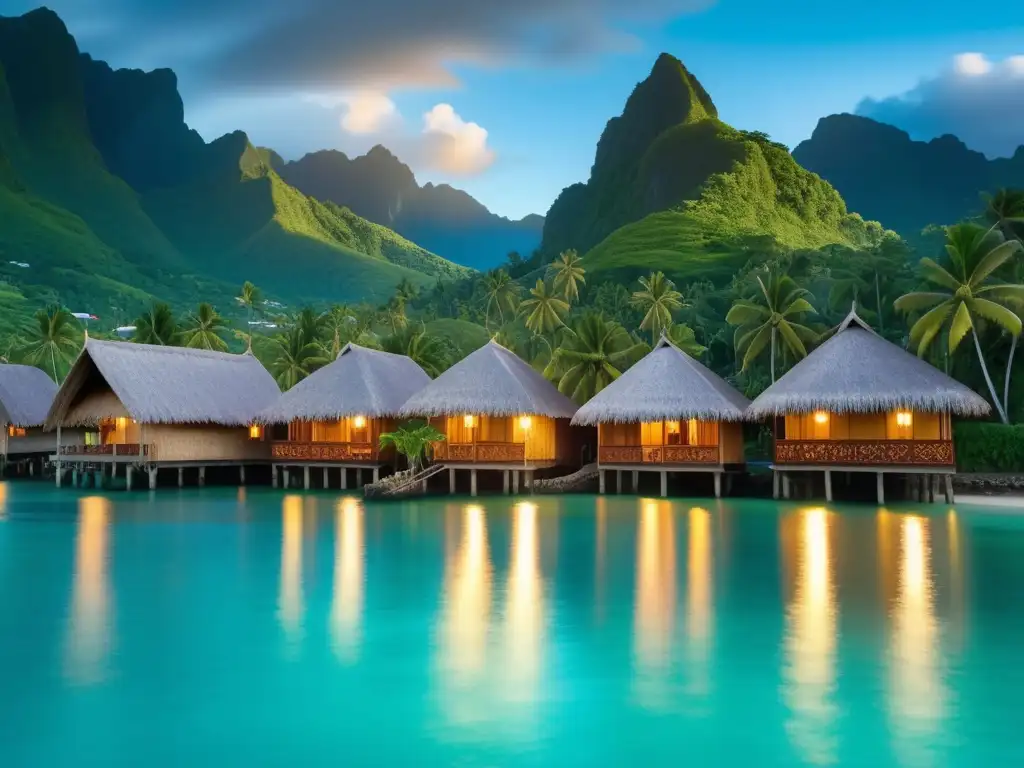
240,628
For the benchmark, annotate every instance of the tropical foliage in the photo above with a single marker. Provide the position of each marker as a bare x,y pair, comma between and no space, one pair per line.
53,343
414,441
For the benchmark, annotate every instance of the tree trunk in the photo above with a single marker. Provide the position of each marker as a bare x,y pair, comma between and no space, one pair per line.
1006,380
774,331
988,379
53,362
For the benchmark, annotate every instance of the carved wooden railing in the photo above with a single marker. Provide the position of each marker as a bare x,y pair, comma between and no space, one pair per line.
110,449
865,452
658,454
287,449
480,453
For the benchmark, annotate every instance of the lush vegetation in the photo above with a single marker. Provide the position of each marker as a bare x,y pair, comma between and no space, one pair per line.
987,447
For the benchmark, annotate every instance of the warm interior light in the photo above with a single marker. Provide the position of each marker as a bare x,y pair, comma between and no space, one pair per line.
121,421
820,417
672,427
255,432
14,431
904,418
468,421
359,422
525,422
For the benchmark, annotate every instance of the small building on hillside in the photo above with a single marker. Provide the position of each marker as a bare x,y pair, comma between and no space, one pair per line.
859,403
498,415
151,407
26,393
335,417
667,414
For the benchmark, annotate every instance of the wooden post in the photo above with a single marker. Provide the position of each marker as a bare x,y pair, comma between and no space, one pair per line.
664,483
286,477
305,477
529,480
74,477
785,486
618,481
636,481
451,480
202,477
376,476
181,477
600,481
472,482
718,485
950,498
515,481
327,479
828,485
59,472
505,487
152,478
128,472
344,478
241,474
273,475
880,482
776,475
359,477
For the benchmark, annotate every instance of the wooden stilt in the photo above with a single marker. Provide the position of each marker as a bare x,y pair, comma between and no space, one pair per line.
529,480
152,478
305,478
933,488
129,472
273,475
451,481
618,481
326,479
74,477
601,481
59,477
950,498
505,482
881,488
241,474
472,482
202,477
344,478
515,481
181,477
776,476
828,485
635,487
785,486
359,477
286,478
718,485
664,483
376,475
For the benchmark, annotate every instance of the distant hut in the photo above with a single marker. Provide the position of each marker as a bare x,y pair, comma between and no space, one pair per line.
335,417
497,414
668,413
154,407
859,403
26,393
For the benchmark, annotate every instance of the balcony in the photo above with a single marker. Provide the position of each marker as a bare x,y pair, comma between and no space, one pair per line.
658,454
287,450
870,453
116,451
480,453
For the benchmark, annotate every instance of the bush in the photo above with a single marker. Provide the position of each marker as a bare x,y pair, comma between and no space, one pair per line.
986,447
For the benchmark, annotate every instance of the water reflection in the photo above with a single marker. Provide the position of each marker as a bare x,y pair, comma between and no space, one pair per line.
89,630
290,604
349,576
524,612
810,642
654,618
917,694
699,566
3,501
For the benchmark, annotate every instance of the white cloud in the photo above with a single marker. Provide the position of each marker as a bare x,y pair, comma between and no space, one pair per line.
368,112
453,145
978,100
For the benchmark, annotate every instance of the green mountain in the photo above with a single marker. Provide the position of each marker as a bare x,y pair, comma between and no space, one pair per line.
110,199
905,184
673,188
381,188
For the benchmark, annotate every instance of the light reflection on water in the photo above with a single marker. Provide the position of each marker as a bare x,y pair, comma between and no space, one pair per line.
829,616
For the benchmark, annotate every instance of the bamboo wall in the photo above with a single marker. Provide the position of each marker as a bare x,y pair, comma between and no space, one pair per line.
868,426
732,443
541,436
204,442
340,431
692,432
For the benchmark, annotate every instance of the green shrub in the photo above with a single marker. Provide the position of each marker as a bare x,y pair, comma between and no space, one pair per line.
986,447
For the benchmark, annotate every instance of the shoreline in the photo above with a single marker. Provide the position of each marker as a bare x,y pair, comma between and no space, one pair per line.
1006,501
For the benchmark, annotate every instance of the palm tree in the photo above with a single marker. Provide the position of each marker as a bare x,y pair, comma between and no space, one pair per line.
424,349
53,342
413,441
568,273
1005,210
501,293
657,299
545,310
760,324
683,337
593,356
157,326
294,357
974,254
251,298
203,329
340,325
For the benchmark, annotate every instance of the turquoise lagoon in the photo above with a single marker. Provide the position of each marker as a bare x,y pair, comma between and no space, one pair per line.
253,627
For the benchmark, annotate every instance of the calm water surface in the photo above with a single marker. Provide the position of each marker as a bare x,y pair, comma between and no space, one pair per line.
225,627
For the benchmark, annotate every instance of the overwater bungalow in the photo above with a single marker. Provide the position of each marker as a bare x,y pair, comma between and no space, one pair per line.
335,417
667,414
26,393
150,407
498,415
859,403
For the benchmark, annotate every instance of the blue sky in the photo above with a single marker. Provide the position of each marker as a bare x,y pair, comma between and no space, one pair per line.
542,77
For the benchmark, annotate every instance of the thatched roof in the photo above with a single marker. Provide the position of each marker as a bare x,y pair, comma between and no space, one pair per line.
162,385
491,381
667,385
857,371
25,395
361,382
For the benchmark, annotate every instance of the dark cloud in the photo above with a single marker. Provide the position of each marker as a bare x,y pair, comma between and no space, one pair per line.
339,44
979,101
